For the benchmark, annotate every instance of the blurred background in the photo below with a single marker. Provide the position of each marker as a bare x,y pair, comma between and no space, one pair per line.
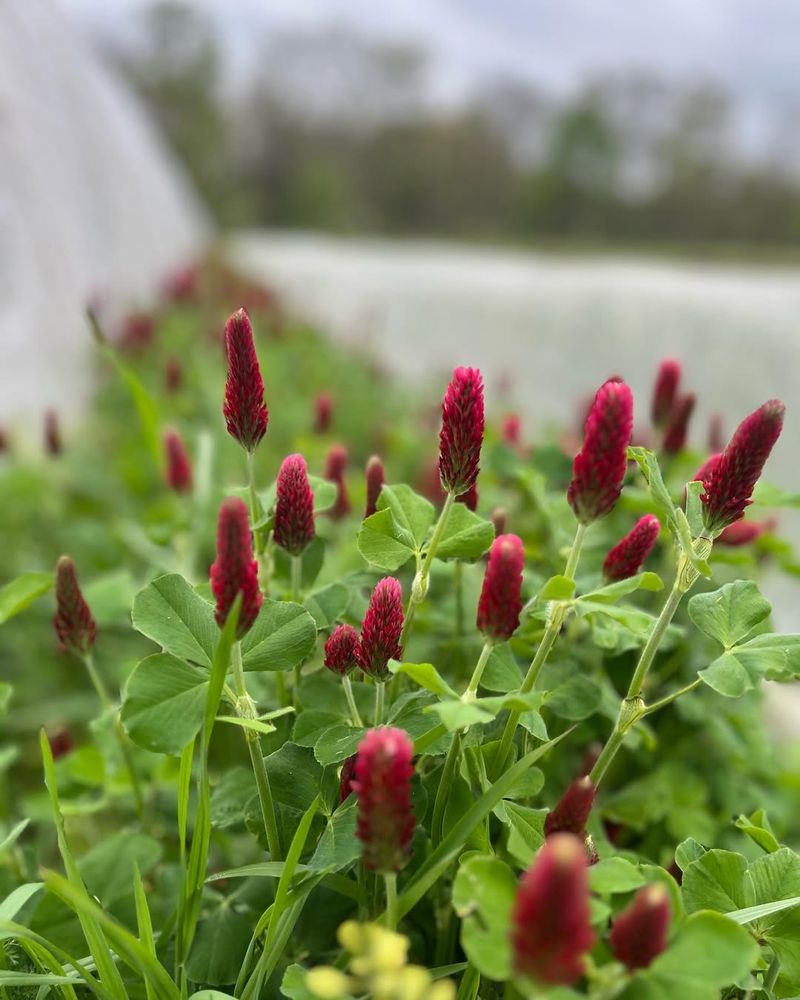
552,191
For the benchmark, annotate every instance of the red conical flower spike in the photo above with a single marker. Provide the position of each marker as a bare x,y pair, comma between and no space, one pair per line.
382,782
628,555
235,570
470,498
380,633
461,436
678,426
245,411
501,597
323,412
179,467
53,444
665,391
703,474
375,481
729,485
639,932
294,506
744,532
511,430
572,811
335,466
551,932
173,374
599,467
346,778
341,649
73,622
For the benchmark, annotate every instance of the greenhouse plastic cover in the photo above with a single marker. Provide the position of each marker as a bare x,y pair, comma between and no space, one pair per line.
91,208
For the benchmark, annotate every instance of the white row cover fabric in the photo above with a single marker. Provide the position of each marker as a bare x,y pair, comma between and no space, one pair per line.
91,207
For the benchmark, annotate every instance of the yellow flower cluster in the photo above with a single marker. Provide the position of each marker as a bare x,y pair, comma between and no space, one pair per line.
377,968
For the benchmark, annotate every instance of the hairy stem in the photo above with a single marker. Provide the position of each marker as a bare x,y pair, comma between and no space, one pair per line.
379,702
246,710
355,718
420,586
390,881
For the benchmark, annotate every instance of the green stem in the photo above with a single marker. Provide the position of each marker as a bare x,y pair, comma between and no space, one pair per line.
420,586
771,975
390,881
379,702
119,732
555,620
663,702
458,583
246,710
296,578
355,718
633,707
475,680
443,790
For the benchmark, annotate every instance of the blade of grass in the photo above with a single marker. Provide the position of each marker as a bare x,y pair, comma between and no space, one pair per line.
16,932
98,946
448,849
130,950
144,924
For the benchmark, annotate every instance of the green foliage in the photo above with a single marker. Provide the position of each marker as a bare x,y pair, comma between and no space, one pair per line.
240,747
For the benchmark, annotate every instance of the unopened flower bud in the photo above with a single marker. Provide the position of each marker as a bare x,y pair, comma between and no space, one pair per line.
628,555
382,782
461,436
381,630
341,650
500,602
235,570
294,506
73,622
639,932
375,480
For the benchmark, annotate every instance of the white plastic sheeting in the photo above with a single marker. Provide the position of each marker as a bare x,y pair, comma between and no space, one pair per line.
90,205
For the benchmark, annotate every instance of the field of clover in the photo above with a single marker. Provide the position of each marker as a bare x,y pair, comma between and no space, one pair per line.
319,685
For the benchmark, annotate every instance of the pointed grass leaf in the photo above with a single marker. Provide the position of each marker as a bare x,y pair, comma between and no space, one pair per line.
22,591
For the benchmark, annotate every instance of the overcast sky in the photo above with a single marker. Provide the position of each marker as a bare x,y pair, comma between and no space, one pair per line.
751,46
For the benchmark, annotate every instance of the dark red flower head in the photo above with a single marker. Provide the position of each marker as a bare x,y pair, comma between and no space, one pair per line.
470,498
500,603
572,811
744,532
173,374
639,932
245,411
704,472
346,778
335,467
73,622
599,467
341,649
678,426
551,932
178,473
138,331
182,285
61,742
235,570
716,438
461,436
665,391
375,480
380,633
730,483
294,506
323,412
511,430
53,444
382,783
628,555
